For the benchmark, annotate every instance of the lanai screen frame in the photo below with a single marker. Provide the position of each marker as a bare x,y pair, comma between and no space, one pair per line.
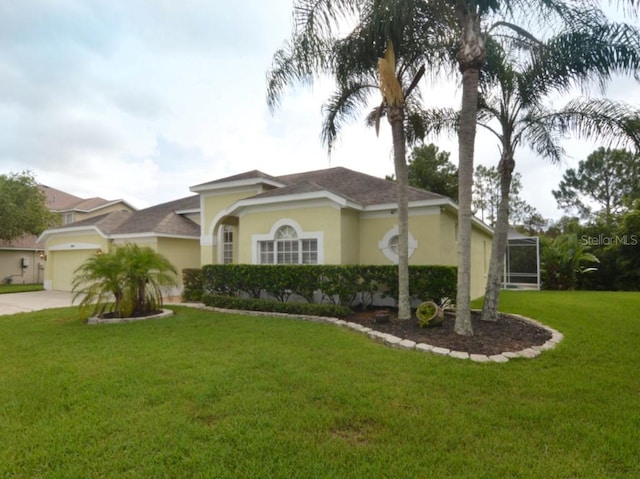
514,279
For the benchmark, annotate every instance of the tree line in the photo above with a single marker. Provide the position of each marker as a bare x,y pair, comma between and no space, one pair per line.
595,245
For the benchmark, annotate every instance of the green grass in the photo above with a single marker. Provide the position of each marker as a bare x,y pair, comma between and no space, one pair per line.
215,396
19,288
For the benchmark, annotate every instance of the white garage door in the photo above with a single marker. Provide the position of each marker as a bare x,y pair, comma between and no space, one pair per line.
64,264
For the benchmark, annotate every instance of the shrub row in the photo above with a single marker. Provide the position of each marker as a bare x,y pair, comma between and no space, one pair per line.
340,284
266,305
192,280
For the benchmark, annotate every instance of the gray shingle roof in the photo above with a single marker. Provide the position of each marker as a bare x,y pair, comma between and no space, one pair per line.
162,219
159,219
353,185
57,200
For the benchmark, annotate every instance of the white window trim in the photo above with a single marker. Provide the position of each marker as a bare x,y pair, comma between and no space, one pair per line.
383,245
222,243
257,238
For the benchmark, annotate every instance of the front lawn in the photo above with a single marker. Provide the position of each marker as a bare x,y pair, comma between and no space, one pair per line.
216,395
19,288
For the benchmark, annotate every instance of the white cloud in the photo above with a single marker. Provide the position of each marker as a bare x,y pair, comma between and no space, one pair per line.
140,100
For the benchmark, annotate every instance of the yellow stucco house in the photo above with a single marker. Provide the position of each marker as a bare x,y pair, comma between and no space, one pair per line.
331,216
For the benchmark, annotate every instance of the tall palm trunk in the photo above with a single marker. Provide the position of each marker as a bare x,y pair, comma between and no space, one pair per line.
471,56
500,235
396,119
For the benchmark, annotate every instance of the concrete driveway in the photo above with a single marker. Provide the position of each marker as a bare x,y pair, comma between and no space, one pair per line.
33,301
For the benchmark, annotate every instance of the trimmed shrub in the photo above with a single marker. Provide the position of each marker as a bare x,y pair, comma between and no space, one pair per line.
192,280
271,306
339,284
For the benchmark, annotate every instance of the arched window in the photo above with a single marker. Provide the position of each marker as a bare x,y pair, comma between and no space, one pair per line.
287,247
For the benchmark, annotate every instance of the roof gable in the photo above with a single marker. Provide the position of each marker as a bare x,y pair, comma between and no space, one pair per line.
249,178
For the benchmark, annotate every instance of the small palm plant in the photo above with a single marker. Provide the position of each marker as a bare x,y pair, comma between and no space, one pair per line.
125,282
563,260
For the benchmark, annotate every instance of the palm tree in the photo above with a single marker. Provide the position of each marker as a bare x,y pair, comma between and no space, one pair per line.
386,52
475,21
310,53
131,276
98,281
512,98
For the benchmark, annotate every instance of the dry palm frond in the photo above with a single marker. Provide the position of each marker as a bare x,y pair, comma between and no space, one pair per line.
389,84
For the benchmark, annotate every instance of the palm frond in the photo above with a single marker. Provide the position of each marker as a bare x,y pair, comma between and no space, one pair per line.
319,18
343,105
541,136
374,117
298,61
610,122
581,57
423,123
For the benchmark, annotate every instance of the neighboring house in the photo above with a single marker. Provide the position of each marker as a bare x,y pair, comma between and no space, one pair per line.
331,216
72,208
168,228
23,260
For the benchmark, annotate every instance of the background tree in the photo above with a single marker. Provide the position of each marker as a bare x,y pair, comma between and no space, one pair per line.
486,198
430,169
627,247
23,207
608,178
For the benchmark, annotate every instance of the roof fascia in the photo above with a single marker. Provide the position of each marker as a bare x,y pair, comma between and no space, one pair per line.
124,236
72,229
235,184
412,204
97,208
294,198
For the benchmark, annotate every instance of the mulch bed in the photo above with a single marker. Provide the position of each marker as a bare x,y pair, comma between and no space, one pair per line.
507,334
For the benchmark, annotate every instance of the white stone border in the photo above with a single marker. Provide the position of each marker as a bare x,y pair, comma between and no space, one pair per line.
97,320
397,342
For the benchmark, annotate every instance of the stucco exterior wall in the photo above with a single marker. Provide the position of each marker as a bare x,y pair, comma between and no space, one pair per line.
350,236
424,227
372,230
182,253
321,218
480,256
212,205
11,264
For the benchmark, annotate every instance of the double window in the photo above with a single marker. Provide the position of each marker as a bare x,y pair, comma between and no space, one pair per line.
288,248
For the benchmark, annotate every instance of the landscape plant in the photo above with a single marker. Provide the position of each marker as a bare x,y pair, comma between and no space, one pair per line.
127,281
563,260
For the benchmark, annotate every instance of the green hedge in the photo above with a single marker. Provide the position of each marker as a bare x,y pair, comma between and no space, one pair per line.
265,305
192,280
340,284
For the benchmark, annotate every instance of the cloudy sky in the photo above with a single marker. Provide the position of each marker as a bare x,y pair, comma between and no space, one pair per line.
140,99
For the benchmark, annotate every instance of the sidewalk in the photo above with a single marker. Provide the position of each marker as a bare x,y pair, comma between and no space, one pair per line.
34,301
